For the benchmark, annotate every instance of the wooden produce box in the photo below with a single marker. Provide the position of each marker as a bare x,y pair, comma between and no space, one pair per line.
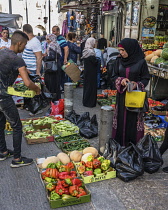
40,140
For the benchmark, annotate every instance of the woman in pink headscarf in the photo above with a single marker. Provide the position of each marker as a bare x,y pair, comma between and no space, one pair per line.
52,78
90,74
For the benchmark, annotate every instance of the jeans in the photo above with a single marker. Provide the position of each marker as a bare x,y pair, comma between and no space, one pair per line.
8,111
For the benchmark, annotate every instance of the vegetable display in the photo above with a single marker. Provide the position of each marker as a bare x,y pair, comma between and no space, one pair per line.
74,145
37,135
20,86
68,138
62,185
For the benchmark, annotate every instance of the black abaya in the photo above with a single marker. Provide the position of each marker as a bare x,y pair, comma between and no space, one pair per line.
90,81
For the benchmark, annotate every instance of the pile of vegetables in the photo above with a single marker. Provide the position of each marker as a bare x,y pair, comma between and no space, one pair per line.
61,178
44,121
88,163
20,86
68,138
74,145
64,128
37,135
153,103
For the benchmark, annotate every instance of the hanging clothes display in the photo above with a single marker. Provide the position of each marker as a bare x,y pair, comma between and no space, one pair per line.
64,28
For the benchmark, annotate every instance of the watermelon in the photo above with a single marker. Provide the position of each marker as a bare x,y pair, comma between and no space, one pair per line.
165,45
164,54
159,60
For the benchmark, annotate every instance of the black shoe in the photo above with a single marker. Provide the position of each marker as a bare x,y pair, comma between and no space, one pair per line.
23,161
7,155
165,169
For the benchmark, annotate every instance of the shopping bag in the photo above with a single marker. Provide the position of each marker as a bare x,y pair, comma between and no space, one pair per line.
129,163
135,99
72,117
57,108
150,153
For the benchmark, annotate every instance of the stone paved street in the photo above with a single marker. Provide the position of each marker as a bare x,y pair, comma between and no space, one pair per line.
21,189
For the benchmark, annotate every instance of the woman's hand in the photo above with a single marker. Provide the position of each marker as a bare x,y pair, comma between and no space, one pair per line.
124,81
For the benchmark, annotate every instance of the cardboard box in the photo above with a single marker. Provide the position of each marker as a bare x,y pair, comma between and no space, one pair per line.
40,140
73,72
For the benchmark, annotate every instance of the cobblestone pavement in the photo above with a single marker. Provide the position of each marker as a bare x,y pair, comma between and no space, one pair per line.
21,189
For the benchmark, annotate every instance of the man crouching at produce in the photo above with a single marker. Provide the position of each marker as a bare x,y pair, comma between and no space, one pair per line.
10,66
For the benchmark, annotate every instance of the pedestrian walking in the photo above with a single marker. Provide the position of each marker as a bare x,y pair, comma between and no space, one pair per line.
10,66
64,50
129,67
90,74
52,77
74,49
5,42
32,54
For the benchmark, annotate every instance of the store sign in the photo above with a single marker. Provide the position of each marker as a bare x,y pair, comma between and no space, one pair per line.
148,32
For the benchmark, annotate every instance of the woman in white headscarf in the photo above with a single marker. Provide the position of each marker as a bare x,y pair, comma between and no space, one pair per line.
52,78
90,74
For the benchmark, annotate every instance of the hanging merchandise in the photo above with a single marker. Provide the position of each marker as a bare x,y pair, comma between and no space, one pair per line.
64,28
108,5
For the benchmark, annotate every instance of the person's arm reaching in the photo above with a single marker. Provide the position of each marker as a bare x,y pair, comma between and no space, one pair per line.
66,53
38,62
27,81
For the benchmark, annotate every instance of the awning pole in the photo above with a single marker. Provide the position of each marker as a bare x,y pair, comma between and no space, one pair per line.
10,6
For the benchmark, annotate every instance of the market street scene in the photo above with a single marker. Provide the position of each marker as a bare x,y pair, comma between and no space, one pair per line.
83,104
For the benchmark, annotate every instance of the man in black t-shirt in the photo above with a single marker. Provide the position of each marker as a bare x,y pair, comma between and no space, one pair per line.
10,66
102,43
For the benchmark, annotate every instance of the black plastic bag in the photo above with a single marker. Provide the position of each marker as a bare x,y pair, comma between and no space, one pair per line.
83,119
129,163
112,149
72,117
89,129
150,153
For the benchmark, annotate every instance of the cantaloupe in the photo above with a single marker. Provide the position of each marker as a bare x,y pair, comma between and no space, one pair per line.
149,57
154,58
52,159
64,158
158,52
76,156
91,150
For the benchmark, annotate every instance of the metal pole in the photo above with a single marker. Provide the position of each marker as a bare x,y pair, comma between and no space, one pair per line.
68,97
10,6
26,13
106,119
49,17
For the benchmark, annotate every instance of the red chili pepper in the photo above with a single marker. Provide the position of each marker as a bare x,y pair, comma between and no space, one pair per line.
77,182
59,189
64,184
73,174
66,191
89,164
74,190
81,194
64,175
70,165
96,163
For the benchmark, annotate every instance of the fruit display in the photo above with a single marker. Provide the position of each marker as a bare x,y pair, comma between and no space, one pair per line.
157,133
153,103
64,128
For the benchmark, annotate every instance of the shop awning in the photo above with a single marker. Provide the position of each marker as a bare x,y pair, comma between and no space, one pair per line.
11,20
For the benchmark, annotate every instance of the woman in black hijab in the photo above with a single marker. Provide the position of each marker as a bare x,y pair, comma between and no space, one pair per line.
131,67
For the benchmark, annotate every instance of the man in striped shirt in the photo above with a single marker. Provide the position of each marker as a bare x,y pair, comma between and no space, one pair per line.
65,51
32,54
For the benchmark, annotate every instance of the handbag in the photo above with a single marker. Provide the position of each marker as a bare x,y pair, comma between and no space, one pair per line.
135,99
50,66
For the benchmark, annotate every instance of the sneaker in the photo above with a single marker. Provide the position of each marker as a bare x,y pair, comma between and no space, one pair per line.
7,155
165,169
39,112
22,162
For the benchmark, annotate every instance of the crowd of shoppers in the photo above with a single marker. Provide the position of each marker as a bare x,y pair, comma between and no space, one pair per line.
124,64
